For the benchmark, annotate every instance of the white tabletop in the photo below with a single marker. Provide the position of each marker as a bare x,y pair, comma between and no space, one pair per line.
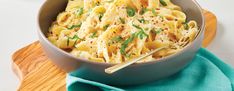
18,28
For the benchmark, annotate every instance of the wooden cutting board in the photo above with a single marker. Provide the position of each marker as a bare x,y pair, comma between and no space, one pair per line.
37,73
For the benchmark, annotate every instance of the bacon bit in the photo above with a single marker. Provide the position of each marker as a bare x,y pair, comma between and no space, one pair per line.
166,28
157,8
91,42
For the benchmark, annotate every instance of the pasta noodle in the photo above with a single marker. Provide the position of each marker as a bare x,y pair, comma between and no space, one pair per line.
114,31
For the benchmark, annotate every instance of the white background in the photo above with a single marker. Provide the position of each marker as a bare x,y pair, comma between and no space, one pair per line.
18,29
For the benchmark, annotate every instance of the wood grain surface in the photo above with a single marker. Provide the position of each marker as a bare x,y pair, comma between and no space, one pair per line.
37,73
211,27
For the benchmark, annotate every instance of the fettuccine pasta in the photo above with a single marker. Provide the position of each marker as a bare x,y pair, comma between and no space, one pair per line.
114,31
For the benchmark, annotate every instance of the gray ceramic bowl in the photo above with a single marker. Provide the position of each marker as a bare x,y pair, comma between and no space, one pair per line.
132,75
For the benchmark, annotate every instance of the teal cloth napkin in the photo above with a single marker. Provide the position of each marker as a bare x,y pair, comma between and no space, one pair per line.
205,73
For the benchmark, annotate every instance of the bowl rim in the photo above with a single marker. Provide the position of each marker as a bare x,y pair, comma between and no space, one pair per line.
43,36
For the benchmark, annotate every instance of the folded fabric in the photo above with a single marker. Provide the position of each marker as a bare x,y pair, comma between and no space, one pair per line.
205,73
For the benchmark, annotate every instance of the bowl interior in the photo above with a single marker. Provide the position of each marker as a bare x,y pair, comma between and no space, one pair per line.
51,8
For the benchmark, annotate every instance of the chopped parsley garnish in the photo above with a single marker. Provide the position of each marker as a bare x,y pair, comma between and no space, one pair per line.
154,12
117,39
161,17
141,20
125,44
100,17
74,37
136,26
80,11
143,10
130,11
106,26
74,26
94,35
163,2
110,1
157,31
122,20
141,34
186,26
146,29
